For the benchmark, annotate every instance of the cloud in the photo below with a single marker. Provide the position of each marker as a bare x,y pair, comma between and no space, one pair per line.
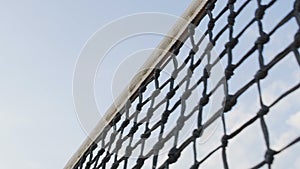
284,139
297,163
294,120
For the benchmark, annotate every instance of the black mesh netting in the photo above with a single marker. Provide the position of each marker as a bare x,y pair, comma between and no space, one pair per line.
221,99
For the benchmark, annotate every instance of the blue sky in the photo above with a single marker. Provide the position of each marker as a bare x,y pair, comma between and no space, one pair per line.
40,42
39,45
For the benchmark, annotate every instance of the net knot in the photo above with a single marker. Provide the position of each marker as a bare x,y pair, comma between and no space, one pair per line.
263,39
125,123
297,39
157,73
93,146
208,67
174,154
139,106
189,73
150,112
210,6
115,165
155,93
206,73
170,94
139,163
180,122
113,136
88,164
158,146
229,102
195,165
231,18
165,116
143,88
224,141
269,156
175,74
133,129
211,24
146,134
186,94
194,50
128,151
204,100
229,71
260,12
231,2
198,132
116,119
106,158
232,43
191,29
128,104
176,51
263,111
261,74
119,144
100,152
